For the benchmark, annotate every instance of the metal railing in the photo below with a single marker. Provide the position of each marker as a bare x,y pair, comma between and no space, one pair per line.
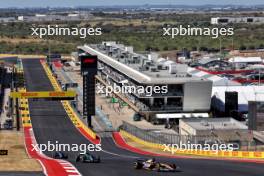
167,138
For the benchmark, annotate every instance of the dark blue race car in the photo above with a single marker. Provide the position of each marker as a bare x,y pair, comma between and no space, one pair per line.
88,158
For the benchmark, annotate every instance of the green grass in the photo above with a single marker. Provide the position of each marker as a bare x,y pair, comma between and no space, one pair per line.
143,37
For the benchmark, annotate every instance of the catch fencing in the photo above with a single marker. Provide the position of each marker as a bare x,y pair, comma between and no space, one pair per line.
155,136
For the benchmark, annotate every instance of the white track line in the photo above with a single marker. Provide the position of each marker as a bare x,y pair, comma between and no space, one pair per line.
63,163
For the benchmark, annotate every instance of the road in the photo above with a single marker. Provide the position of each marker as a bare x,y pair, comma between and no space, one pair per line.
50,123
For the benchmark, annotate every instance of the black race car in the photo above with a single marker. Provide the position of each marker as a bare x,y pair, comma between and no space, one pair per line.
60,155
88,158
152,165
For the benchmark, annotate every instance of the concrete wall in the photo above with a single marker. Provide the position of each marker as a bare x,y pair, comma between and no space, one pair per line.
185,129
197,96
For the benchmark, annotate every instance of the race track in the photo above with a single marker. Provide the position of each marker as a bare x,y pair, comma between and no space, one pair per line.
51,123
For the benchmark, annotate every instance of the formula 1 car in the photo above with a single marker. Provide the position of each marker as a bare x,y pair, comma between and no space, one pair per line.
60,155
88,158
152,165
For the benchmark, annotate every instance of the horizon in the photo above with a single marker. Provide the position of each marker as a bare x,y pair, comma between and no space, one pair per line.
93,3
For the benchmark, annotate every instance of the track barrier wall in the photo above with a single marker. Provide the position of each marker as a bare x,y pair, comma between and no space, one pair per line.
222,154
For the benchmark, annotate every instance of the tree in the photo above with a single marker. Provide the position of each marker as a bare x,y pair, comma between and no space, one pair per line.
251,47
261,46
203,48
194,48
242,47
165,48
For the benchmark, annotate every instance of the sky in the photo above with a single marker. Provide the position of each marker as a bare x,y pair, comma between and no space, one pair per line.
74,3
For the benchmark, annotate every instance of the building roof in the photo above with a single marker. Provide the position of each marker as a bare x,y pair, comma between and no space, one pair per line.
217,80
208,60
181,115
142,76
214,124
245,59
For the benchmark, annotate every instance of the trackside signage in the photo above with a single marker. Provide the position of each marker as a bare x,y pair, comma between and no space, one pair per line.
3,152
53,94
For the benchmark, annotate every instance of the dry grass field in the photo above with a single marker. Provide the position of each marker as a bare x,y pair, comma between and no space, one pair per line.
17,158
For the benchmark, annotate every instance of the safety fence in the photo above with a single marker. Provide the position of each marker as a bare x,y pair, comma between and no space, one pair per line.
168,150
155,136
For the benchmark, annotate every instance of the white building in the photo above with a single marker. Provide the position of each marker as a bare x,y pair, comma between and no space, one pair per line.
221,130
20,18
239,62
186,93
226,20
199,127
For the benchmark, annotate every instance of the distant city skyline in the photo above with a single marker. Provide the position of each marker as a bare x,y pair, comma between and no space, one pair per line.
74,3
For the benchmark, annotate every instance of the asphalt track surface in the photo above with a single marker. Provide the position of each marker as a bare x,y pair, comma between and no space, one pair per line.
51,123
